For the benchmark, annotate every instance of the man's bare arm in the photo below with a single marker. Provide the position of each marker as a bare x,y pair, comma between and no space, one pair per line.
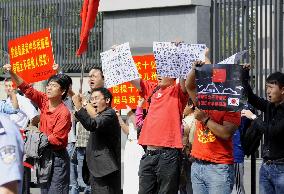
224,131
136,84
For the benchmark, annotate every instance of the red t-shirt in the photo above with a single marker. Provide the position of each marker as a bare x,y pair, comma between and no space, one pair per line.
56,124
207,146
162,126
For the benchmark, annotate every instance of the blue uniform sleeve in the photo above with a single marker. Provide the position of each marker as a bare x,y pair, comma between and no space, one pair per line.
11,156
7,108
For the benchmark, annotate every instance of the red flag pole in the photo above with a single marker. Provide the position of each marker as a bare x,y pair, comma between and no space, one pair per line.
84,63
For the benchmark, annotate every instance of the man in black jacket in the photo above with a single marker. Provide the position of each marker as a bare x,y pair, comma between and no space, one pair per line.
103,149
271,175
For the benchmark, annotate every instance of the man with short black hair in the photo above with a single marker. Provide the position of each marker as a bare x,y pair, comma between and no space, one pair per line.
103,149
271,174
96,80
55,123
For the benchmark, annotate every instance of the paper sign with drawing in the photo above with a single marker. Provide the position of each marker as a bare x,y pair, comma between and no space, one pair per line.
219,87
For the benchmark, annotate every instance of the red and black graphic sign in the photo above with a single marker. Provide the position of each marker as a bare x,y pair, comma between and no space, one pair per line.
220,87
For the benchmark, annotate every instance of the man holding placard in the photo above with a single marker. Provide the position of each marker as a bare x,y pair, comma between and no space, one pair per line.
161,131
55,123
212,170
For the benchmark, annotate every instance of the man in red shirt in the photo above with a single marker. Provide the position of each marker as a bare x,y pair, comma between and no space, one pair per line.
212,170
161,133
55,123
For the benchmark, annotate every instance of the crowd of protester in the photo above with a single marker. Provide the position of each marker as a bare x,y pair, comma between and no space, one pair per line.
74,140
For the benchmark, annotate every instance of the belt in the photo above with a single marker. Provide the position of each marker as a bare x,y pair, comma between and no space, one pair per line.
202,161
159,151
274,161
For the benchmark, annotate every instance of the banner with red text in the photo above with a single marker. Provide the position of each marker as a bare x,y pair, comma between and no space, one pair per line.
126,94
31,56
220,87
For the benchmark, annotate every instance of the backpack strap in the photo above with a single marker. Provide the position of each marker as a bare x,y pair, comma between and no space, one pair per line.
150,97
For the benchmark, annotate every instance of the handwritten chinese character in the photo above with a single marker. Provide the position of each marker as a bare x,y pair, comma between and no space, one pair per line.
153,65
12,52
124,99
33,63
30,46
145,64
46,41
138,65
42,59
34,45
131,88
27,48
116,100
154,76
19,50
123,88
38,44
115,89
146,76
42,42
23,49
132,99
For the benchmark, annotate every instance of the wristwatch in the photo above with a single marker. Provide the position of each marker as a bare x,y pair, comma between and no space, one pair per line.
253,117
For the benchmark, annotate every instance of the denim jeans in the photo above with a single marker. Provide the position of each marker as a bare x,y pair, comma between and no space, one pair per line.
73,186
209,178
159,172
271,179
80,157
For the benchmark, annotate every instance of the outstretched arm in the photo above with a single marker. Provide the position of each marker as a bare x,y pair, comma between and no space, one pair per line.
190,84
136,84
17,79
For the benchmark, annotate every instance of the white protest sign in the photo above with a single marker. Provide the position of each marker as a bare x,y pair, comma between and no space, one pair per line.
167,59
175,60
189,53
118,65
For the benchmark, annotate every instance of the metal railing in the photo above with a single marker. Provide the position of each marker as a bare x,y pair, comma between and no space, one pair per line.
253,25
256,26
21,17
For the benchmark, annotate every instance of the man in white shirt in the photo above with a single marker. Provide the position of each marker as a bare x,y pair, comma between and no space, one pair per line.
27,110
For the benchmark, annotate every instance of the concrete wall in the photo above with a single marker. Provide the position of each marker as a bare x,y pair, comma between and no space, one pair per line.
113,5
141,27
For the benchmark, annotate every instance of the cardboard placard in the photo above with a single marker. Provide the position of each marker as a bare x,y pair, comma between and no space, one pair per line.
219,87
31,56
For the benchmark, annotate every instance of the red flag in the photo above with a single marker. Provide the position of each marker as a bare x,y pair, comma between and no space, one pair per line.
88,16
219,75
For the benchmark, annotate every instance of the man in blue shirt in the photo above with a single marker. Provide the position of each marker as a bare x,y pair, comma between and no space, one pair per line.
11,157
239,156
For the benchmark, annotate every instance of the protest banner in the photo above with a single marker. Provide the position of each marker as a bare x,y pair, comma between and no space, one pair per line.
219,87
31,56
126,94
